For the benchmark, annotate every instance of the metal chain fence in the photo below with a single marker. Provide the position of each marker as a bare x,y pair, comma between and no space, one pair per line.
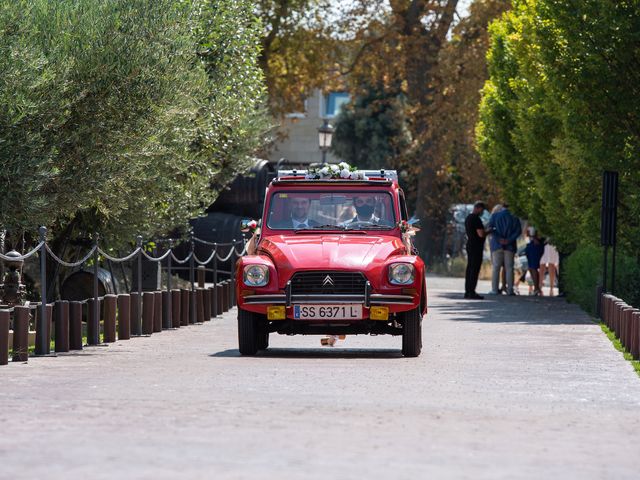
220,252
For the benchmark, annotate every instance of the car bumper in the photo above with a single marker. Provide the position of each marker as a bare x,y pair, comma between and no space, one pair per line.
394,302
372,299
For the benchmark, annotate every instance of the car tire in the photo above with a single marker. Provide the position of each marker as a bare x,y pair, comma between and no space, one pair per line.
411,332
263,339
249,332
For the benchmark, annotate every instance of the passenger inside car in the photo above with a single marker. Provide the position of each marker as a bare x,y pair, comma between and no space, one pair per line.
297,210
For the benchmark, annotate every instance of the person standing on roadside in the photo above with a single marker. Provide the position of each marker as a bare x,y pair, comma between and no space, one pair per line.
534,251
475,248
493,246
505,229
550,262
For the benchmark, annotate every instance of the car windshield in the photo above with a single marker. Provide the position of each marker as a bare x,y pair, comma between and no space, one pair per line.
326,210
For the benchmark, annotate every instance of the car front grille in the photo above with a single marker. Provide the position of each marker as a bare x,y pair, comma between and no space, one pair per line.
327,282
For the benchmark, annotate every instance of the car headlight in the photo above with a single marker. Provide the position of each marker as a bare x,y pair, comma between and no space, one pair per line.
256,275
401,273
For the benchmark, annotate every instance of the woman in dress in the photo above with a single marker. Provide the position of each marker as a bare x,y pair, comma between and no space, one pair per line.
550,261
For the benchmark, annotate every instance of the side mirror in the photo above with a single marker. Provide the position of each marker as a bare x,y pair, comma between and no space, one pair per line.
248,225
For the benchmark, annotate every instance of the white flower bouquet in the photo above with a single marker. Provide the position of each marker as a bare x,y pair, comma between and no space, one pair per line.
341,171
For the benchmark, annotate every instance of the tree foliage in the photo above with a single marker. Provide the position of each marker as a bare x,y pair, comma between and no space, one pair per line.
298,51
372,131
561,106
406,48
462,71
117,116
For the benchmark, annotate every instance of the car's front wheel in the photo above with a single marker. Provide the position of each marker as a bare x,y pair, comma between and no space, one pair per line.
263,339
251,336
411,332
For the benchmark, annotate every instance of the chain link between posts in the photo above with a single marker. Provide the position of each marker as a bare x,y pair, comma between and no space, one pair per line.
95,254
23,257
119,260
134,254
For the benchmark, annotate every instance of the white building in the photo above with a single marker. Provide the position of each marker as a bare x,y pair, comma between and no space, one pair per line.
299,130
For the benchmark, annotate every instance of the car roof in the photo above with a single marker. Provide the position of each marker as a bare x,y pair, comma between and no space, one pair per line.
380,177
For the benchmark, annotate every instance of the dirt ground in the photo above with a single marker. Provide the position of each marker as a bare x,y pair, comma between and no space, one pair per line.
509,387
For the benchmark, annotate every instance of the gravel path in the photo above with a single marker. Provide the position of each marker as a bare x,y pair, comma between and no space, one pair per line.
511,387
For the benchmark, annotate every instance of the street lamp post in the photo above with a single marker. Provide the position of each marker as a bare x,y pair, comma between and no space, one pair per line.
325,135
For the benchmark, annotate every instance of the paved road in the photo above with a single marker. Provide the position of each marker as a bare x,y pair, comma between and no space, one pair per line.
505,388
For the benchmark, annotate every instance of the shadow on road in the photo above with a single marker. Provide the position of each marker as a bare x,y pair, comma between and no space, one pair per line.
517,310
318,353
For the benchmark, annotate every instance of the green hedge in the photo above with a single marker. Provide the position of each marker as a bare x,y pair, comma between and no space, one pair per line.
583,272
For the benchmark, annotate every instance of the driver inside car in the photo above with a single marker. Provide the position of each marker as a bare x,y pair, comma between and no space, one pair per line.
299,214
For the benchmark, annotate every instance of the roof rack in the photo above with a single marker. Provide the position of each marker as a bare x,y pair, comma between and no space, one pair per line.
377,174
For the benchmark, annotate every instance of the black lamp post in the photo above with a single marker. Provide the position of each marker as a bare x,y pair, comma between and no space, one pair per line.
325,135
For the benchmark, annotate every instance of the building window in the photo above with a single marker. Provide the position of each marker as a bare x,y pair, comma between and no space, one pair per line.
334,102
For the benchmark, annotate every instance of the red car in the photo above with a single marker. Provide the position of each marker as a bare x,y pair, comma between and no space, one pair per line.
334,257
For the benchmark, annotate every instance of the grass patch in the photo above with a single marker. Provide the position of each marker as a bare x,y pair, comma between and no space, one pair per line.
618,346
32,348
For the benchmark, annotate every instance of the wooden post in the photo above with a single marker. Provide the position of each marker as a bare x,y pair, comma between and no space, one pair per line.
214,301
157,312
623,326
43,328
225,298
148,301
61,315
166,309
184,307
627,328
607,311
220,297
628,331
93,324
110,318
206,298
124,320
193,307
21,334
5,316
635,335
176,317
616,318
134,315
75,326
612,311
200,305
623,306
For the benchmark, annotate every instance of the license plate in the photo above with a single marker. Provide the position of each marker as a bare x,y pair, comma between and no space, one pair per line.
327,312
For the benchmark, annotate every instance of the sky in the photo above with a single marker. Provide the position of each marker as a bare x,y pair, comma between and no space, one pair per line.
463,7
344,5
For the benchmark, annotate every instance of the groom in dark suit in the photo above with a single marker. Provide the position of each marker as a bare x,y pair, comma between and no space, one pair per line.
299,214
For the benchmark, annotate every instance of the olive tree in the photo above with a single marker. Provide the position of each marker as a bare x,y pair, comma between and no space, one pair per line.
120,116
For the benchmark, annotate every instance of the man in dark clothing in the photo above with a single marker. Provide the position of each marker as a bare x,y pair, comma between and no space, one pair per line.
475,248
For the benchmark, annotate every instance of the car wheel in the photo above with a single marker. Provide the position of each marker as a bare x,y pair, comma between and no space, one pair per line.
411,332
249,332
263,339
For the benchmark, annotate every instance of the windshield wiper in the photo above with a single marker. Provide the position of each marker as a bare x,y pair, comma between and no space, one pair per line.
368,227
326,226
